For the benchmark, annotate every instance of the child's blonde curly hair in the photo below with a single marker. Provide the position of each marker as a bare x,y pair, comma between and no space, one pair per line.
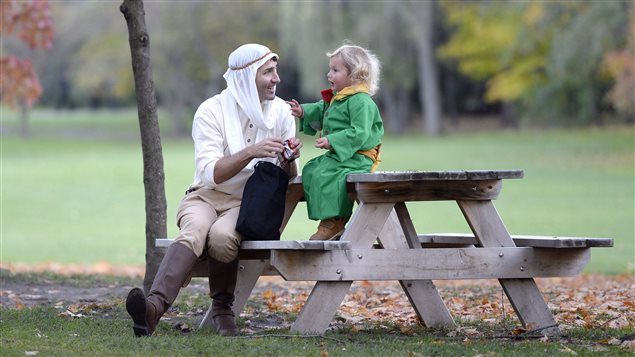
363,65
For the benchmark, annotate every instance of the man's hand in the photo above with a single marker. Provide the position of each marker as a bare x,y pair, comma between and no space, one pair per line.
269,147
296,109
323,143
229,166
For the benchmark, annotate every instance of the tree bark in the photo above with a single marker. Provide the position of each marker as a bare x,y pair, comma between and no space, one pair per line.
153,173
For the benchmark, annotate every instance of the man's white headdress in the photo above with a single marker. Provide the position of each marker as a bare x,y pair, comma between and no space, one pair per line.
241,89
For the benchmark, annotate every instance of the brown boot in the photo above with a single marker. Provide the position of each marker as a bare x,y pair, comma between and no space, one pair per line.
329,229
222,283
173,271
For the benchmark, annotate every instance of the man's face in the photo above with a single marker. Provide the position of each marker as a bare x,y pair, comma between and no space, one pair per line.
266,80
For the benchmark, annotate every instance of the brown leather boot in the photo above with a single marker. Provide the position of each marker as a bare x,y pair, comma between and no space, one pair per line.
222,283
173,271
329,229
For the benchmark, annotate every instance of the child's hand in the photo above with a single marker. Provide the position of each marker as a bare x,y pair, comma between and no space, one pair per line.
323,143
296,108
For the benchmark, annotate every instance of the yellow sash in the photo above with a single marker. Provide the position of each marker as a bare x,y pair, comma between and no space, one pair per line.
373,154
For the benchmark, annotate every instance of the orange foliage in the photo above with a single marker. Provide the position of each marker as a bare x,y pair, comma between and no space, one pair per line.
19,81
620,65
31,21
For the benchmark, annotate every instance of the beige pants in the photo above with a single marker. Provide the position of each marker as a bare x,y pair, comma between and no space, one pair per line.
207,219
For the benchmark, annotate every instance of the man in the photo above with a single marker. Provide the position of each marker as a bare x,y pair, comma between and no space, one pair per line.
233,130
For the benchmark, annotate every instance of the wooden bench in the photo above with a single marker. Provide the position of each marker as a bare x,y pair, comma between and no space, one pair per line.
380,243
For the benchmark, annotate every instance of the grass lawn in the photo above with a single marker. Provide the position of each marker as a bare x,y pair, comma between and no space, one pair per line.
101,327
74,194
41,331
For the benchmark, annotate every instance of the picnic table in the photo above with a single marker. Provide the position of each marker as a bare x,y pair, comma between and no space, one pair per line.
380,243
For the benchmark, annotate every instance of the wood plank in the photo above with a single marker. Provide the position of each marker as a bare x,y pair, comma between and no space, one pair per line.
422,294
523,294
248,273
294,245
320,308
366,224
441,190
397,176
433,264
519,240
277,244
431,238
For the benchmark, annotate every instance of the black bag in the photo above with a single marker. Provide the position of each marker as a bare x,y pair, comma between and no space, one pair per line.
262,207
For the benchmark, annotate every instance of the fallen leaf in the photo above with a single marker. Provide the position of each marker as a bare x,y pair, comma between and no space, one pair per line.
567,350
614,341
628,345
68,314
470,331
518,331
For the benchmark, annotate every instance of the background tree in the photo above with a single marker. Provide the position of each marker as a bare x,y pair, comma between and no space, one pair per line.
306,34
420,17
582,33
483,45
31,22
620,66
543,56
194,43
529,58
153,173
398,55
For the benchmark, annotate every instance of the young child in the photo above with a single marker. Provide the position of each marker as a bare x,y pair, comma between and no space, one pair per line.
351,130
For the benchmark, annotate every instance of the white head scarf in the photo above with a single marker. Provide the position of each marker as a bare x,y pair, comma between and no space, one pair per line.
243,64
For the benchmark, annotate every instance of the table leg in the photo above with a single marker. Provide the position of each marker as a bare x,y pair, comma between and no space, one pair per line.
248,274
321,306
326,297
523,294
422,294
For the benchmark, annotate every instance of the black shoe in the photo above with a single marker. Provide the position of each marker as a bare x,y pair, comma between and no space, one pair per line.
136,306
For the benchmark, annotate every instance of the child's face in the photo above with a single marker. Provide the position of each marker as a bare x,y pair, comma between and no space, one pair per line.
338,75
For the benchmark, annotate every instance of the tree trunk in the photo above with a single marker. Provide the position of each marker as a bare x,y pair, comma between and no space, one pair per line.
509,118
396,107
420,16
153,174
23,110
428,72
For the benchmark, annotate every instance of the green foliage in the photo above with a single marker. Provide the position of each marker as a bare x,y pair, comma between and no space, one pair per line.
488,45
544,55
482,37
101,70
81,200
585,31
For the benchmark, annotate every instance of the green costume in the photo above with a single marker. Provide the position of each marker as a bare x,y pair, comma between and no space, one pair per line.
350,123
